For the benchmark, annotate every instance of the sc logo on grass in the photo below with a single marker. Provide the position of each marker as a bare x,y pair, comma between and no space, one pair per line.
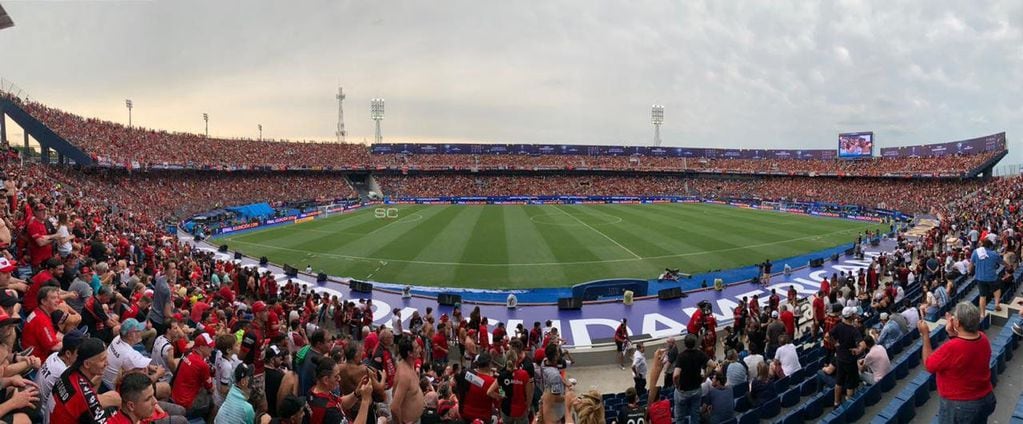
385,213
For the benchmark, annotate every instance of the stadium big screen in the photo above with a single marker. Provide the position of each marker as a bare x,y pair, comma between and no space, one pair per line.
856,145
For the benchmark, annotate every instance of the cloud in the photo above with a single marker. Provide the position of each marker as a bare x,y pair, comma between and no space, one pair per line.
778,74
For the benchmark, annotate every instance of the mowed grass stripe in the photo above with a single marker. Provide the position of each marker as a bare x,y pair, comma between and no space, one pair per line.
638,234
526,244
486,243
444,244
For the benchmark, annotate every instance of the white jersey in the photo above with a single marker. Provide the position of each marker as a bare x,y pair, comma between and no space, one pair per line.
223,375
46,378
161,347
122,358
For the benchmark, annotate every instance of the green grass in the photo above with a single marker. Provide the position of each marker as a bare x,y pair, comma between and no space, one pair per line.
541,246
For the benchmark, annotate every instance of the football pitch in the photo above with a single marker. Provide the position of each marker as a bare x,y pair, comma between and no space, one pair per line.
540,245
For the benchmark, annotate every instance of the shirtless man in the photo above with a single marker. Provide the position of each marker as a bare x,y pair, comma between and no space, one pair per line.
470,346
352,370
408,401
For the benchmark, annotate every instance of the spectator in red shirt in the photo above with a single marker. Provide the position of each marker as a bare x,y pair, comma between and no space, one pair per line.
961,367
39,332
193,379
40,247
74,397
138,400
472,390
789,319
818,312
440,346
53,269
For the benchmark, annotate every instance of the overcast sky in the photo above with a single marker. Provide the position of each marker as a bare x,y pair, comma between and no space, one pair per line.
730,74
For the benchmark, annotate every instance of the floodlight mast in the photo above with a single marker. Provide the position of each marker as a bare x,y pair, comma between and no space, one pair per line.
206,119
376,112
128,104
341,133
657,118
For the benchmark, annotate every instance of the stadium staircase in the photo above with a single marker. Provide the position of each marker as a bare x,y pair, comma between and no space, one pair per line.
47,139
902,396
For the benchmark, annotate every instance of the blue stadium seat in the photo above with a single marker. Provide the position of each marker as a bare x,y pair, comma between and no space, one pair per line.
906,410
750,417
913,357
872,395
921,393
855,409
836,416
730,421
887,382
901,369
808,387
797,377
771,408
815,405
790,398
994,371
792,417
782,384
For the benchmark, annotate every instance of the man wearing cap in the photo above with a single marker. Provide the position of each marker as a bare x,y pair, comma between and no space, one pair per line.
74,397
252,347
846,339
236,408
55,365
775,328
122,358
279,380
40,246
7,266
194,380
39,332
890,332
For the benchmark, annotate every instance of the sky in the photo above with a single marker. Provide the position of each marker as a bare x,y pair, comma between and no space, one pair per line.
778,74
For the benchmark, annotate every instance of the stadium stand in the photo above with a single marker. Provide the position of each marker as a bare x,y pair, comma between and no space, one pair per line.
89,246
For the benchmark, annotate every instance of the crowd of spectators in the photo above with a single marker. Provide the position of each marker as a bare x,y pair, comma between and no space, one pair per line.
951,165
173,195
899,194
118,145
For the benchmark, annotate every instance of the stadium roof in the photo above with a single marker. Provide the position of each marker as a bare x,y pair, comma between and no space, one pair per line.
5,19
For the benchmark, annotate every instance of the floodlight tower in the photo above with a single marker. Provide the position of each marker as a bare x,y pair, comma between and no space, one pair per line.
128,104
340,116
376,112
206,119
657,118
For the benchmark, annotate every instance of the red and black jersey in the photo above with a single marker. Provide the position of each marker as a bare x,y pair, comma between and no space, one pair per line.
75,401
252,346
326,408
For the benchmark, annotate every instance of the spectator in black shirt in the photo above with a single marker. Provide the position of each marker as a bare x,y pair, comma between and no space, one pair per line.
688,376
632,412
846,338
